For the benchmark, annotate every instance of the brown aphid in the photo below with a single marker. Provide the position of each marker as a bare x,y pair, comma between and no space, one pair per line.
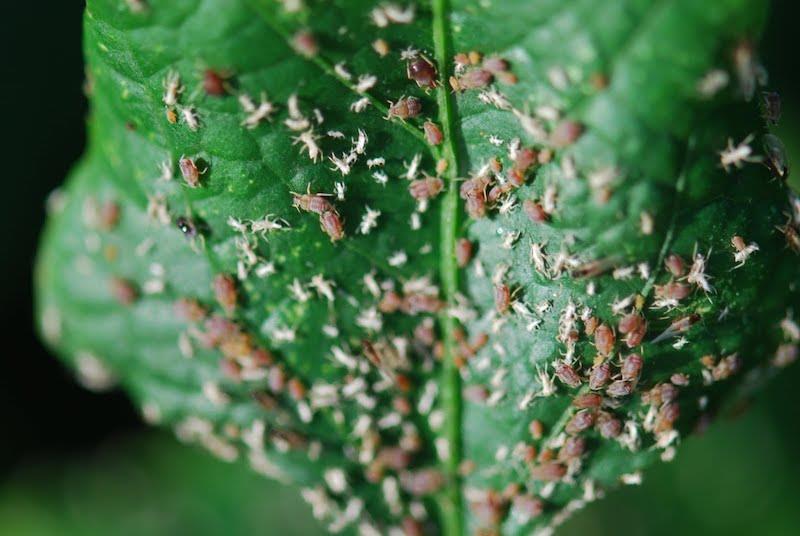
332,225
412,527
608,426
634,327
474,192
422,71
632,367
587,400
395,458
276,379
416,303
567,375
305,43
792,236
680,379
490,510
426,188
381,47
189,310
675,264
598,80
527,506
536,428
391,302
296,389
189,171
673,291
236,345
475,393
495,64
215,83
475,57
405,108
726,367
565,134
463,252
599,376
316,203
548,472
424,333
218,329
604,339
473,79
109,215
124,290
582,420
441,166
502,298
432,133
172,117
573,447
667,415
422,481
619,389
590,325
225,292
534,211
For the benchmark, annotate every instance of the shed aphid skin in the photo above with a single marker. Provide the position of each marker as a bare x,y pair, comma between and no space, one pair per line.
742,250
381,47
365,82
738,155
172,89
369,220
256,114
190,117
359,105
308,141
697,273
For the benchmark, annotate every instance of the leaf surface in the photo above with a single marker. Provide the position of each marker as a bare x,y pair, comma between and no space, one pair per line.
370,368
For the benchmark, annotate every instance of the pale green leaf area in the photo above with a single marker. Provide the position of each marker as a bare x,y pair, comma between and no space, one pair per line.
355,357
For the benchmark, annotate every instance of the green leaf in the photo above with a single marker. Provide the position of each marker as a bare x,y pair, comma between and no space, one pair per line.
308,353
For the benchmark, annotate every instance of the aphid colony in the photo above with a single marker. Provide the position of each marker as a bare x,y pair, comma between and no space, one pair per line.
376,396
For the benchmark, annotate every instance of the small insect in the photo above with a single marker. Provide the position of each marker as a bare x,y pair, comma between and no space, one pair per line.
619,389
631,367
792,236
432,133
502,298
679,326
123,290
316,203
675,264
186,226
381,47
634,327
305,43
565,134
743,250
567,375
215,83
474,192
225,292
776,159
581,421
422,481
587,400
599,376
463,252
332,225
404,108
608,425
573,448
548,472
189,310
426,188
535,211
604,339
422,71
190,172
108,217
172,89
296,389
472,79
190,117
737,155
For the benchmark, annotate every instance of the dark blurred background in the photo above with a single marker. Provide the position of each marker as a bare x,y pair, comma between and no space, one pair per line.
74,462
